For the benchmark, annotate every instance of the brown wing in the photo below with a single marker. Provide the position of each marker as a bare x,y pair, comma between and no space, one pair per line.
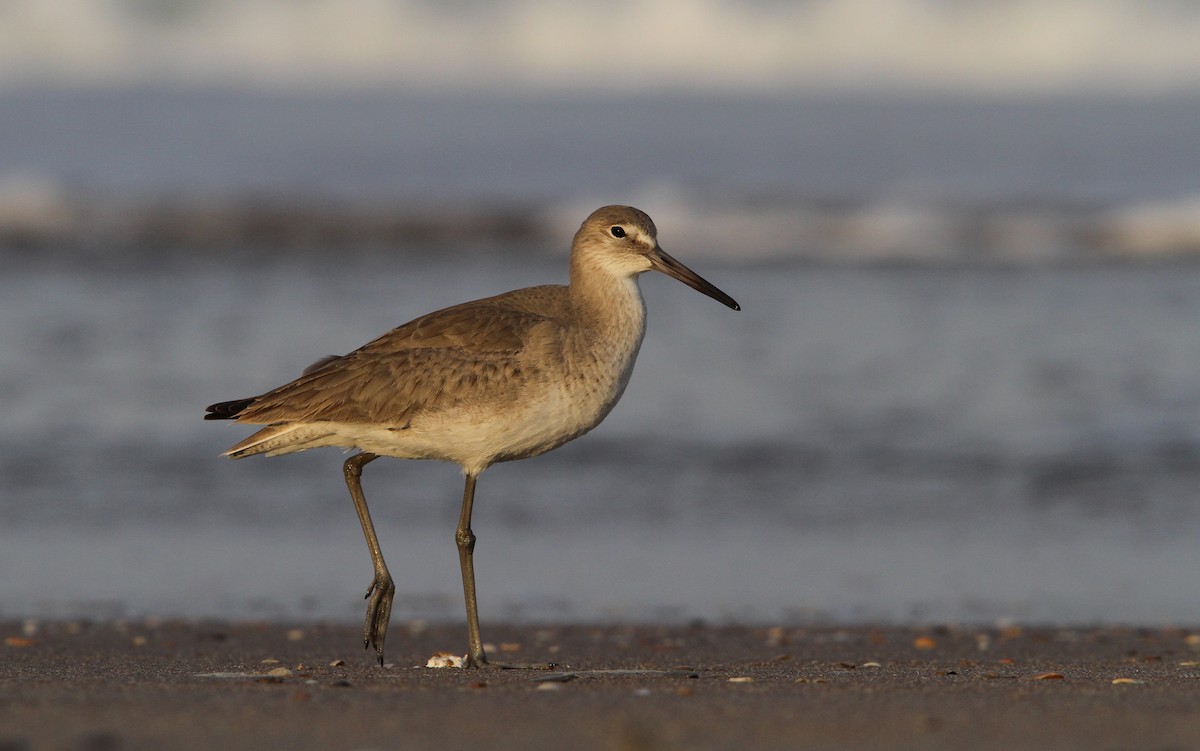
441,360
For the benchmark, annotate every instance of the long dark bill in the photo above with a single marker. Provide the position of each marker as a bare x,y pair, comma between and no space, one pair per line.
660,261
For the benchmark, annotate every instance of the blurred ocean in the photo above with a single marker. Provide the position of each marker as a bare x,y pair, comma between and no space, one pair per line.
928,443
845,177
963,386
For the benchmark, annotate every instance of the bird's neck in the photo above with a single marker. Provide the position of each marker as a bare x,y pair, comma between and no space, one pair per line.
606,305
602,342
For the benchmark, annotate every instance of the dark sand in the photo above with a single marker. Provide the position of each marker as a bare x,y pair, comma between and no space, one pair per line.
186,685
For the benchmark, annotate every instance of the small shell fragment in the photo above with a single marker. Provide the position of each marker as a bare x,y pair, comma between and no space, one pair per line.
1049,677
444,660
1127,681
279,672
924,642
741,679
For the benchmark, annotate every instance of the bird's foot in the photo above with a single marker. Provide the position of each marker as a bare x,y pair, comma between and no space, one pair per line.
379,612
481,661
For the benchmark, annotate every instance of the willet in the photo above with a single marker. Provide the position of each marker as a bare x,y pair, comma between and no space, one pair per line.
503,378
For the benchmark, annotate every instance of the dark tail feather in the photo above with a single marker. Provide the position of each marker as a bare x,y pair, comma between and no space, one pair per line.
226,410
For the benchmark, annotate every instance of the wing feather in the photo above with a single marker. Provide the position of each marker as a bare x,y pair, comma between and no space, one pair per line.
439,361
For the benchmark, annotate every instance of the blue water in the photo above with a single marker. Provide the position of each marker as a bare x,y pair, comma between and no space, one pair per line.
888,443
843,177
513,146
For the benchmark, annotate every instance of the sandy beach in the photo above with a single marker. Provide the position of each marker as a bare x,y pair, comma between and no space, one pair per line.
204,685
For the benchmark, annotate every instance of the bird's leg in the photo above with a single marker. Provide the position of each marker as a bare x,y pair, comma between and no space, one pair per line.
379,609
465,539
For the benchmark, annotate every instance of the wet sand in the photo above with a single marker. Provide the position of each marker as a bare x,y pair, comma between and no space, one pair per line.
201,685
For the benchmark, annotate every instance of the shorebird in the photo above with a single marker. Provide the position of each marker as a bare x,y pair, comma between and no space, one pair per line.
497,379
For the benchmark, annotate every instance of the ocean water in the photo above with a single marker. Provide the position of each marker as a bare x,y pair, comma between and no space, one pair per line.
963,386
891,443
894,176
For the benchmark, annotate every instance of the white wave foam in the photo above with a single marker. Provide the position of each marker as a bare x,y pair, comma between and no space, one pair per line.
1157,227
909,229
608,44
31,204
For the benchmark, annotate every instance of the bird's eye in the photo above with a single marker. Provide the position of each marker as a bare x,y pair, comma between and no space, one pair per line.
617,231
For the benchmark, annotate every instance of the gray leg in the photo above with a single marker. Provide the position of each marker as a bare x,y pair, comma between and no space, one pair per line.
379,609
465,539
466,549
